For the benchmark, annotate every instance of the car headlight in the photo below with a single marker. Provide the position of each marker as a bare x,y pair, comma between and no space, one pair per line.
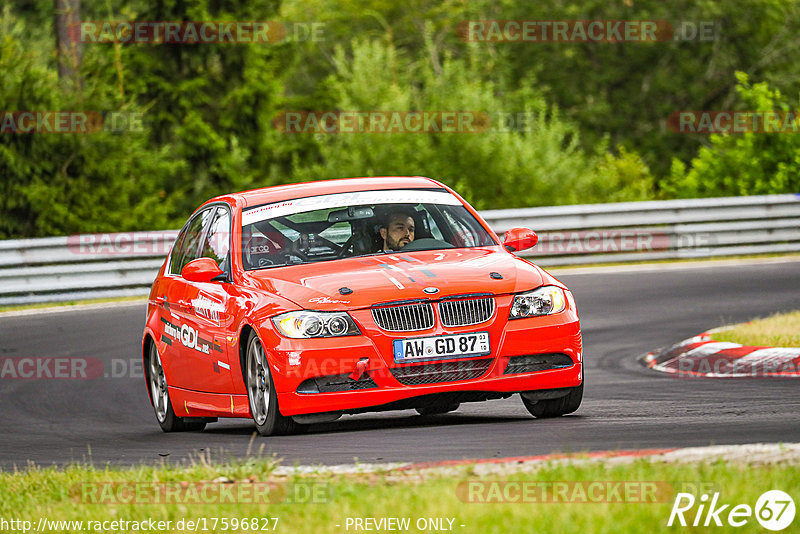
545,300
308,324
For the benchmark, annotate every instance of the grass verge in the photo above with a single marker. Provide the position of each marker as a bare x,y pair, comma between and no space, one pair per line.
779,330
559,498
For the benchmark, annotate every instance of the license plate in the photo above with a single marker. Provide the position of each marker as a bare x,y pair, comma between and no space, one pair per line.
441,347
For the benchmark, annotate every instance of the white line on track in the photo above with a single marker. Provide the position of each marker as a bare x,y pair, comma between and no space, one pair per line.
678,266
754,453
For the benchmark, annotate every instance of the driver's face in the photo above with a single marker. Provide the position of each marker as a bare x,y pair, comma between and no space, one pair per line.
400,232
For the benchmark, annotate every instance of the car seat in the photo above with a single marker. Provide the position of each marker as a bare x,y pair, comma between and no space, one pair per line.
262,251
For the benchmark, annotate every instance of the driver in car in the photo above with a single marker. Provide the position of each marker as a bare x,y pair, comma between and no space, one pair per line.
397,229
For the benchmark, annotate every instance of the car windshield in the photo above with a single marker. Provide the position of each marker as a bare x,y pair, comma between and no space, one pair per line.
346,225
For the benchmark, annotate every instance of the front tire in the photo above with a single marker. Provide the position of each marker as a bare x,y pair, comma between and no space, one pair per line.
555,407
159,394
261,393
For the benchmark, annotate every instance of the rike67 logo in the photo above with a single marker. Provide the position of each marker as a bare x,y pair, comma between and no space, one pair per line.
774,510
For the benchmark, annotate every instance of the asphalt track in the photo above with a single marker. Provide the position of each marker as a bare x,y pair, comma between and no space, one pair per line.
624,314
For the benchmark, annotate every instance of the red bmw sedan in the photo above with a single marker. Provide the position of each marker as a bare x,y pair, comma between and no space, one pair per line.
296,304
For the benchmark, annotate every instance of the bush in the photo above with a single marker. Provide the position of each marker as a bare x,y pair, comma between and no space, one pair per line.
541,164
63,183
743,164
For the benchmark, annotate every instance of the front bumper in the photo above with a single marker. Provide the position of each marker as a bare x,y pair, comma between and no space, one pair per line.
296,361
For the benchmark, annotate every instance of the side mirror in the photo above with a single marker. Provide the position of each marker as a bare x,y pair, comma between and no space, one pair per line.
520,239
201,270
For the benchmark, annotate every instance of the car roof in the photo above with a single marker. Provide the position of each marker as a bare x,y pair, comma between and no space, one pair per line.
268,195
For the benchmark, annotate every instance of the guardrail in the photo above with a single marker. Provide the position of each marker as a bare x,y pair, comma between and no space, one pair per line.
110,265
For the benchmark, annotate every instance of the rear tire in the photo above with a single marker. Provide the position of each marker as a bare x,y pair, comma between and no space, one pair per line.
555,407
159,394
261,393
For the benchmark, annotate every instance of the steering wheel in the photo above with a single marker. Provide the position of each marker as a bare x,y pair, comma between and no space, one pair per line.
345,247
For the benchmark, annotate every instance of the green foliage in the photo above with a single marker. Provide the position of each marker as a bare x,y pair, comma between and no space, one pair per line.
61,183
596,112
213,101
620,91
539,162
743,164
623,178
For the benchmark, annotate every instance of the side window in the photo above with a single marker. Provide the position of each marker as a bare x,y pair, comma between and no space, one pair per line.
186,247
176,252
217,243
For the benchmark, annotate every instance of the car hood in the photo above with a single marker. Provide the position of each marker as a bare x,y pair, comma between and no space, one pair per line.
396,277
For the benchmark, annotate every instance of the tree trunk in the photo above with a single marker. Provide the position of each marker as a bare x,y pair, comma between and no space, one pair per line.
68,45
